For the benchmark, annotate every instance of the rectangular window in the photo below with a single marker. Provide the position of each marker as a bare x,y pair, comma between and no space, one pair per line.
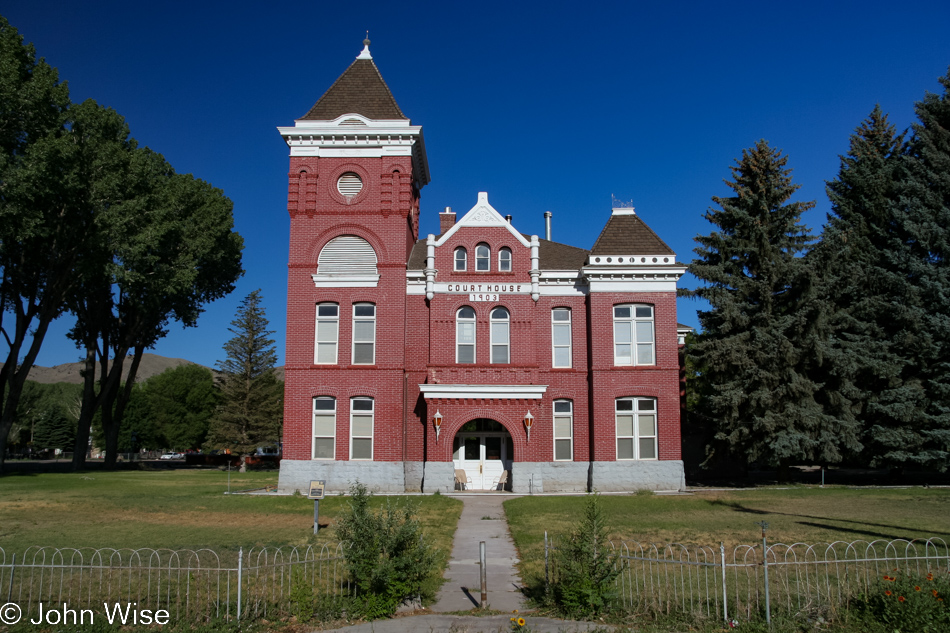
364,334
636,428
328,331
561,337
324,428
563,430
361,428
633,335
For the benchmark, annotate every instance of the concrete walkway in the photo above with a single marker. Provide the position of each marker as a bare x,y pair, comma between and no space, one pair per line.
483,519
469,624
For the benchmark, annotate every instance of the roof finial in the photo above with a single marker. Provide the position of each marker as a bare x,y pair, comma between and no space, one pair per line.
365,52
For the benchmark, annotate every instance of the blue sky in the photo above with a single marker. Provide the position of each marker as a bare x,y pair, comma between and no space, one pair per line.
547,106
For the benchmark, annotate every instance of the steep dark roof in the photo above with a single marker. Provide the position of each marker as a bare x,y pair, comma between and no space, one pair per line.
629,235
359,90
551,256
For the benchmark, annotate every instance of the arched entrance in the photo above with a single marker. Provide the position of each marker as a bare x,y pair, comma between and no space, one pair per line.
484,450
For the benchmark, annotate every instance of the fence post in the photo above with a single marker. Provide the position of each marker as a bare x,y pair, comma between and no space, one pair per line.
483,562
547,577
765,569
725,597
240,565
12,571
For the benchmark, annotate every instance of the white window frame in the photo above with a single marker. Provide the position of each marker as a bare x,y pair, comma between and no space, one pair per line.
641,341
562,324
640,408
494,342
372,417
313,427
504,263
566,413
482,259
364,319
335,342
461,250
459,320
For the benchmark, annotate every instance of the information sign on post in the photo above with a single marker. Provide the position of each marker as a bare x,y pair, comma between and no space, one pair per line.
317,488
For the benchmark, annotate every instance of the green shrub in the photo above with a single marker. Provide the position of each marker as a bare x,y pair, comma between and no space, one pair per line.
907,603
387,556
587,567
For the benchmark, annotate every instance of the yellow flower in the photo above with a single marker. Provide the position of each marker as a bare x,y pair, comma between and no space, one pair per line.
520,621
916,587
887,593
512,619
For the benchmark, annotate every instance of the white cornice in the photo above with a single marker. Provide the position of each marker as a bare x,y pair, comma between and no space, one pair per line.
502,392
345,281
628,260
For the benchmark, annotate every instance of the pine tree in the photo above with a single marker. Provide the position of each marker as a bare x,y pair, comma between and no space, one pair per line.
252,397
868,295
921,435
764,333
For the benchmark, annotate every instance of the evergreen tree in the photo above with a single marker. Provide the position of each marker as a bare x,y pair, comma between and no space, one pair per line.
252,397
764,333
921,435
869,297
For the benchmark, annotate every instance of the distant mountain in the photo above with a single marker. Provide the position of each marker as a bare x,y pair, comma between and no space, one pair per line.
151,365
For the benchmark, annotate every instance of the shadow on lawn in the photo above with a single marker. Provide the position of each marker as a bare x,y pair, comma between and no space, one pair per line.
738,507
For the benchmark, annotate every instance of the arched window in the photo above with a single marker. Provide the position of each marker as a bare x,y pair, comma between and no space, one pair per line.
482,257
504,260
461,258
500,326
465,335
347,261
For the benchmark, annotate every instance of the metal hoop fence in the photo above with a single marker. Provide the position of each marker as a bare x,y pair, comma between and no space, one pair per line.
797,580
190,585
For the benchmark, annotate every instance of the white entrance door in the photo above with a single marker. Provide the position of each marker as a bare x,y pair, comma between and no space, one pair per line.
482,456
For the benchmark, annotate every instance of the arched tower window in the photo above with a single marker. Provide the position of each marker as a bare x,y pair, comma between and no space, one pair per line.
347,261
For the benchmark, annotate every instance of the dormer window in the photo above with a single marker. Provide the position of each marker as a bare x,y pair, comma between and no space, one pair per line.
349,185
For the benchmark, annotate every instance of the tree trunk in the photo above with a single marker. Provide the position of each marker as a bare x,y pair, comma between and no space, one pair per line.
86,410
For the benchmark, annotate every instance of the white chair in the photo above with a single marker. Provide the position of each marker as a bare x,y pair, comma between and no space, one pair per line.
499,483
462,481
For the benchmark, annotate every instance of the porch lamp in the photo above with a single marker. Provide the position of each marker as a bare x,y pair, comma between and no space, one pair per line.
528,423
437,420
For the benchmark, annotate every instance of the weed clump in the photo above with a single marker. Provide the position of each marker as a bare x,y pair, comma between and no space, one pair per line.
387,556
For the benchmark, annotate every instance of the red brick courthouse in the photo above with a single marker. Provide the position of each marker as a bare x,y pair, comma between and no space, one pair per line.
479,349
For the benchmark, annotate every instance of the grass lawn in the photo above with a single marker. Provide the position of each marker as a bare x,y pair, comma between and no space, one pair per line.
810,515
178,509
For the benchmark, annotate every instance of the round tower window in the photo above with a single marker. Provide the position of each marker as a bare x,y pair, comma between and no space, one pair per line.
349,184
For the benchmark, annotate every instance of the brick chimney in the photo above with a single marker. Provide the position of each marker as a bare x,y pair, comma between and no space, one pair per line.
446,220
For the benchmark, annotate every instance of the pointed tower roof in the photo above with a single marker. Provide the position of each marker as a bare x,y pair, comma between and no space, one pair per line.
626,234
359,90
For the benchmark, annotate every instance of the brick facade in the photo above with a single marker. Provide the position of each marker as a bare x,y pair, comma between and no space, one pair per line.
417,297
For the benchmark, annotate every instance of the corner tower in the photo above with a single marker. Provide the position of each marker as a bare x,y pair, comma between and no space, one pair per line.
357,165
